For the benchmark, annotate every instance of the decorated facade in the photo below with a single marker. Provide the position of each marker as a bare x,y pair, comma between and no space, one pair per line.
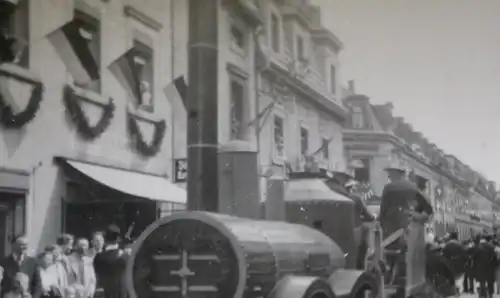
86,117
300,111
462,198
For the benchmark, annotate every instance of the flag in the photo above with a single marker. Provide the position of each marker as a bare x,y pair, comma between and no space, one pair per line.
323,146
176,93
262,113
126,71
77,44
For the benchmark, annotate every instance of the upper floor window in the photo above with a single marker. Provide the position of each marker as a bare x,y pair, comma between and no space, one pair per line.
325,148
238,37
333,79
300,48
237,107
304,140
357,118
14,23
84,36
144,73
275,32
279,136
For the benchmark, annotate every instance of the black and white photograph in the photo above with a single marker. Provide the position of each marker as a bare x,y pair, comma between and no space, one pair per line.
249,149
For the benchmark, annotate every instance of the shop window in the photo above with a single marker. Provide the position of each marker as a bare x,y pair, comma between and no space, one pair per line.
144,75
304,141
275,32
362,174
14,26
279,137
237,108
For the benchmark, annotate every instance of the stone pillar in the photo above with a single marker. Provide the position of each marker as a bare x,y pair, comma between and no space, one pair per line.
239,180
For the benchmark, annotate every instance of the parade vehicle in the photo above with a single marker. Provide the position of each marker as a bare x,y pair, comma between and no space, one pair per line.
203,254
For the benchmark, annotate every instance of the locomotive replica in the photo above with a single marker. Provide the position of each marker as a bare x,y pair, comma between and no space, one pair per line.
204,254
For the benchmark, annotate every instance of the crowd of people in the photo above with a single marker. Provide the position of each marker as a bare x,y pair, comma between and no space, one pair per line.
482,262
70,268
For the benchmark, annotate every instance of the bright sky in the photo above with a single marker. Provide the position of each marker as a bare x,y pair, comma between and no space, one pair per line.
438,61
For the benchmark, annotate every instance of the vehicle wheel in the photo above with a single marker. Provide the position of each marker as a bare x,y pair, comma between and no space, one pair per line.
365,292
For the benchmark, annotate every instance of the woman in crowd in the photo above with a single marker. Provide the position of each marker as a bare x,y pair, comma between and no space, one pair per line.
52,282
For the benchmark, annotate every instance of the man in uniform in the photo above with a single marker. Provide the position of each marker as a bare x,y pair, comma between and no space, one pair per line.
344,183
401,201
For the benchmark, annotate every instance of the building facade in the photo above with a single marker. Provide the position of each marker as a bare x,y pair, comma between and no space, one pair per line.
87,137
300,111
462,199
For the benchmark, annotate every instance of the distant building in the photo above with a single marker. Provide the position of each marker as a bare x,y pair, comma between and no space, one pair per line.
462,198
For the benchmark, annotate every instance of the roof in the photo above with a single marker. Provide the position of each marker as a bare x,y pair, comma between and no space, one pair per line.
311,190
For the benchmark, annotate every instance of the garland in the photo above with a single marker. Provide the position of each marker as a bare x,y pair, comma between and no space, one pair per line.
142,147
10,120
81,121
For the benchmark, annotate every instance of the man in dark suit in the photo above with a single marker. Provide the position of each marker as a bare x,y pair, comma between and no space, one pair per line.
18,261
484,262
455,253
110,265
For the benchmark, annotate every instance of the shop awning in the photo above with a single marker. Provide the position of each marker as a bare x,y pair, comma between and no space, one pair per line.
132,183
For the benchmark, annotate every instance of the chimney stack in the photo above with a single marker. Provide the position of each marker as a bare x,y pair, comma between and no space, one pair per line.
351,87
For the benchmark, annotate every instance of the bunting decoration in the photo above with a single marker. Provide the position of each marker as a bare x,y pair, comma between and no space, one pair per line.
145,149
125,70
75,112
77,43
10,119
176,93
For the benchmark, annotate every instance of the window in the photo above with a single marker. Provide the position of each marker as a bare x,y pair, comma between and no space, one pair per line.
85,40
357,118
325,148
333,79
237,38
14,21
279,137
275,32
304,141
300,49
362,174
142,62
237,104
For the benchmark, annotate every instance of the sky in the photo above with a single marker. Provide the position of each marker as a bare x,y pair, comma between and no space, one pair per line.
437,61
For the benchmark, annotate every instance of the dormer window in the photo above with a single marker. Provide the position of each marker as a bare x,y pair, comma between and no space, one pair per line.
275,33
300,49
357,118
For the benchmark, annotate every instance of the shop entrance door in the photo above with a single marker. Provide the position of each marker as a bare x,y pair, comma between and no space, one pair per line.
12,220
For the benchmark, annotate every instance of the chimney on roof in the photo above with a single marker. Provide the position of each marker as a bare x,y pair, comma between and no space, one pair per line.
351,87
314,15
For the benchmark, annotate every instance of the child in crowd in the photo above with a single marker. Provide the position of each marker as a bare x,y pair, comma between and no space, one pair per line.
21,287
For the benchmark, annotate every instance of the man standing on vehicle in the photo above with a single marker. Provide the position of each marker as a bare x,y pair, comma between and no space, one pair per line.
344,183
400,202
